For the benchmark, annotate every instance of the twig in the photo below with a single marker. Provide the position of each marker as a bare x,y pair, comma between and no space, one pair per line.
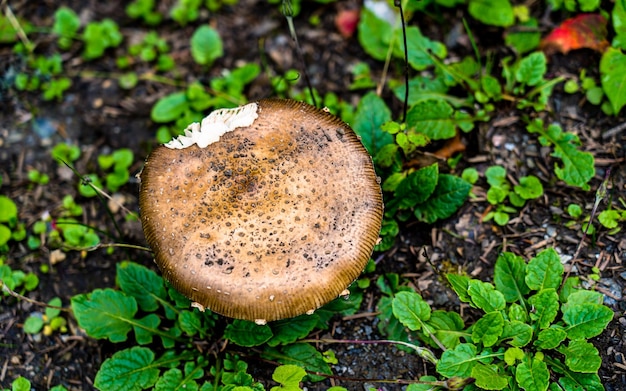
11,292
613,131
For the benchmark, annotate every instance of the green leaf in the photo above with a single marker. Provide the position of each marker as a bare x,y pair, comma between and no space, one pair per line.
105,313
488,378
433,118
519,333
66,25
130,369
581,356
578,167
585,320
371,114
613,77
609,218
488,328
8,210
374,34
141,283
411,310
550,338
532,375
509,277
290,330
420,48
302,355
544,271
206,45
447,326
529,187
531,69
546,307
460,285
618,16
492,12
289,376
248,334
417,186
145,328
170,107
33,324
512,355
581,381
190,323
524,41
450,193
458,361
485,297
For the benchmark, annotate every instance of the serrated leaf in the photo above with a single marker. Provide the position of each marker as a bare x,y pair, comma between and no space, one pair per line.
290,330
206,45
546,307
141,283
508,277
246,333
488,328
544,271
417,186
531,69
492,12
487,378
613,77
586,320
105,313
145,328
485,297
172,379
550,338
411,310
433,118
130,369
371,114
420,48
458,361
519,333
532,375
288,376
189,322
581,356
450,193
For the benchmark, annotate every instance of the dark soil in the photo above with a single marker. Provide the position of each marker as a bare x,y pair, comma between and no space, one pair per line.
100,117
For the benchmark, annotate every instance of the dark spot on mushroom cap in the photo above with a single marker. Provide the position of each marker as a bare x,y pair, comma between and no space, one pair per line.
279,216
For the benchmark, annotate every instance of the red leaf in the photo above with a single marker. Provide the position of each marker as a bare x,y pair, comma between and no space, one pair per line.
346,22
583,31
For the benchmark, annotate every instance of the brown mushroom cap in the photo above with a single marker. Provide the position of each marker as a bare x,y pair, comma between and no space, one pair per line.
273,220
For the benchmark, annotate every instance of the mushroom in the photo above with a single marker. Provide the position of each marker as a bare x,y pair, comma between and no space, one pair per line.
262,212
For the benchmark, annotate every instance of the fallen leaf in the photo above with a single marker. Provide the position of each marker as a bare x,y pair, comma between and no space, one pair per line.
451,147
583,31
346,22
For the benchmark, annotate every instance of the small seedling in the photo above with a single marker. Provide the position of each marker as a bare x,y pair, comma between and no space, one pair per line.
37,177
48,322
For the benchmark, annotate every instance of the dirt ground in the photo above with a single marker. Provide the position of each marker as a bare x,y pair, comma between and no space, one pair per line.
100,117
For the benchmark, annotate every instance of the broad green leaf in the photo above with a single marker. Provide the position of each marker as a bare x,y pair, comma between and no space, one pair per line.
66,25
450,193
488,328
130,369
417,186
424,88
496,176
170,107
524,41
145,328
8,209
302,355
388,324
581,356
517,312
447,326
460,284
586,320
618,16
411,310
583,296
433,118
485,297
420,48
206,45
371,114
458,361
544,270
289,376
571,285
581,381
613,76
529,187
509,274
290,330
5,234
190,323
105,313
374,34
20,384
519,333
246,333
141,283
532,375
512,355
492,12
531,69
546,307
172,379
488,378
33,324
550,338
